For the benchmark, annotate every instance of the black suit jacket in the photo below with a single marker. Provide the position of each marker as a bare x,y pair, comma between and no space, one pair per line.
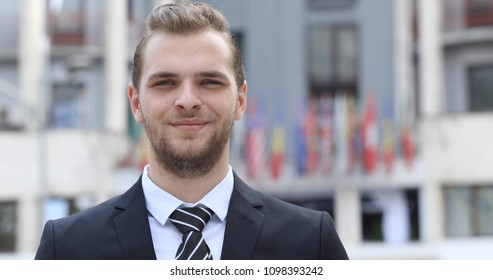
258,226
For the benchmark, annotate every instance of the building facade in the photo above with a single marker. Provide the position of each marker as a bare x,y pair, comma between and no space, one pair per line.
375,111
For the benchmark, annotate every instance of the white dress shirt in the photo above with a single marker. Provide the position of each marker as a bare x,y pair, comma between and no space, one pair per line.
160,204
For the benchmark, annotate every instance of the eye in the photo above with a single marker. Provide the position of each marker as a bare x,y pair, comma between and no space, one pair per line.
164,83
211,83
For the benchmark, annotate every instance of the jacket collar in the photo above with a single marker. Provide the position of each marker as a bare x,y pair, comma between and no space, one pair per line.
244,222
132,224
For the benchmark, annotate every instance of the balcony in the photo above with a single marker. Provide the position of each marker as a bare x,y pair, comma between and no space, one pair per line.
467,22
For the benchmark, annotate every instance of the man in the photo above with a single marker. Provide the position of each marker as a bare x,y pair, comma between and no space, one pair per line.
188,88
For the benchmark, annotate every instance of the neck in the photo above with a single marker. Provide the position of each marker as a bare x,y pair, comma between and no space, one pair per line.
189,190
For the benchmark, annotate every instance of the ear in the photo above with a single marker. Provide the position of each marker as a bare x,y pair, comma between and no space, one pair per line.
133,98
242,102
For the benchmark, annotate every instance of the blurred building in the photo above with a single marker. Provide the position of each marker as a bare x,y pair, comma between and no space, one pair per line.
376,111
66,136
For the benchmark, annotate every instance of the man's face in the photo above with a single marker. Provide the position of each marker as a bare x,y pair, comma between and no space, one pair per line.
187,100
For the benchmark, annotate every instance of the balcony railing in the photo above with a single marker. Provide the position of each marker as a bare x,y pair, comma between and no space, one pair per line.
462,14
76,29
82,29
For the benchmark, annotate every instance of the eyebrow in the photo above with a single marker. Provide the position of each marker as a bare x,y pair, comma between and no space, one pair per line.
162,74
202,74
212,74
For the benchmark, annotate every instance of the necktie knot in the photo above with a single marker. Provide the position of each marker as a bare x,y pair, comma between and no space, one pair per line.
190,218
190,221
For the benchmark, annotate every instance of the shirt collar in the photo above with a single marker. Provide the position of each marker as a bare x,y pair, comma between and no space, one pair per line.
161,204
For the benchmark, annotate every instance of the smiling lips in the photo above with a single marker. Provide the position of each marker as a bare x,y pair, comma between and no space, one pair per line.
189,124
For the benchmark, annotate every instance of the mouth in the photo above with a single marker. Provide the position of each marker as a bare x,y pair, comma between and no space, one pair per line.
189,124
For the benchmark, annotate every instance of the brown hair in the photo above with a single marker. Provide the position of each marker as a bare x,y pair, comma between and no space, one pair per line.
186,19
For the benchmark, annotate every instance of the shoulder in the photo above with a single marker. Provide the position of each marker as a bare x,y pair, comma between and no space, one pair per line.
276,206
289,228
100,215
271,205
278,215
86,221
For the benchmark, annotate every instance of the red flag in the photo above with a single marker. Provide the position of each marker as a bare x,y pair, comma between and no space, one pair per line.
369,135
255,142
407,147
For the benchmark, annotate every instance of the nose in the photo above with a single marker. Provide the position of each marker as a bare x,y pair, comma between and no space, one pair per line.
187,99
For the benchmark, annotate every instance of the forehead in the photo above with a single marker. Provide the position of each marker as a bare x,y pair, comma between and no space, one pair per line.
205,49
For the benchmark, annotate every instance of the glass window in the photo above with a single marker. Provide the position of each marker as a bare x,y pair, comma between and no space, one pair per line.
457,211
8,225
67,110
390,215
485,210
468,210
332,58
481,87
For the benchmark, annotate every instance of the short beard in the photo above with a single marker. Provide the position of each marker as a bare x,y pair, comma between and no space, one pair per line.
188,165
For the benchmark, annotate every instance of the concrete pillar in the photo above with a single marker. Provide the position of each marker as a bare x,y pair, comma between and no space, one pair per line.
430,58
116,66
28,225
431,212
431,106
403,55
348,214
33,51
33,56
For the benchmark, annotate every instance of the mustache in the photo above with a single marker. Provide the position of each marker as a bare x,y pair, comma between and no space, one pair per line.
192,115
188,115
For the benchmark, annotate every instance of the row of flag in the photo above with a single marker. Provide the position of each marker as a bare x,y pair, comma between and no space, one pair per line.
329,136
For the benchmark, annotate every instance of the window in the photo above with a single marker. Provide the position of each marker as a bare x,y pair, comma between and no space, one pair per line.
67,22
390,215
469,210
67,110
333,59
480,88
8,225
479,12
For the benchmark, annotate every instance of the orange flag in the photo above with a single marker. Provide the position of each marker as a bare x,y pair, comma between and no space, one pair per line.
277,152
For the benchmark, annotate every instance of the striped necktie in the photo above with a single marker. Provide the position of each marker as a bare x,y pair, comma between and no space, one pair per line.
190,221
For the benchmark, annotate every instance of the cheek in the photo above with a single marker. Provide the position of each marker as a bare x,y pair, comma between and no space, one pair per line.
154,109
230,109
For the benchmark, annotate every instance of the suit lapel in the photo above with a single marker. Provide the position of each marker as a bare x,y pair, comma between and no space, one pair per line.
243,226
132,224
244,222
